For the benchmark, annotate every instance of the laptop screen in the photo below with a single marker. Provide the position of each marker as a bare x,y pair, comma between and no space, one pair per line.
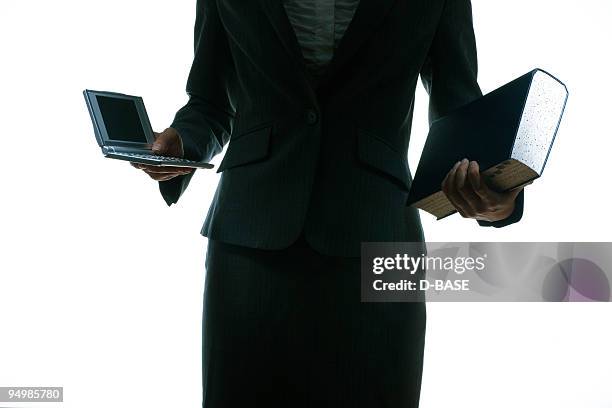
121,119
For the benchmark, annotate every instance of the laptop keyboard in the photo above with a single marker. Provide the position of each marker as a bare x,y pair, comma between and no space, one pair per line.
155,157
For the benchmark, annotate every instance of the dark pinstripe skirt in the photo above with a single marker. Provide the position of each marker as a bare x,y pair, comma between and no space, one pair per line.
287,329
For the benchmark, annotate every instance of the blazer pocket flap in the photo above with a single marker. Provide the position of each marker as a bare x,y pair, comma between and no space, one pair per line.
248,147
377,153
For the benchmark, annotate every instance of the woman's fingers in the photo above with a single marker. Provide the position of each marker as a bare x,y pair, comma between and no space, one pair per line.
162,169
449,187
162,173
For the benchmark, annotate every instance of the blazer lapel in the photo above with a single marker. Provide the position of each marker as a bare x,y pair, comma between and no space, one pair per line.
275,10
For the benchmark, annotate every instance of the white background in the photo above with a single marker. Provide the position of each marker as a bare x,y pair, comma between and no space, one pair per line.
124,330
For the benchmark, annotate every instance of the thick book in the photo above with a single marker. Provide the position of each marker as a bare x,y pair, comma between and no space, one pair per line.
509,132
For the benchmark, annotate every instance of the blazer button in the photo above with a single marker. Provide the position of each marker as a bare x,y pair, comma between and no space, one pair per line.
311,116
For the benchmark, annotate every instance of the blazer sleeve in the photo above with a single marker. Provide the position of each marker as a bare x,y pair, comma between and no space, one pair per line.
205,123
450,71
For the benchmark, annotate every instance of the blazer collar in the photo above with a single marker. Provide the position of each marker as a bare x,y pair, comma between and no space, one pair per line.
368,16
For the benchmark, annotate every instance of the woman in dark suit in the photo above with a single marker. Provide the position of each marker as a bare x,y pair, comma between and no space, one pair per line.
315,99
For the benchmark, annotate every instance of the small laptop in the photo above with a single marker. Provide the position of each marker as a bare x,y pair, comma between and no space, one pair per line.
123,130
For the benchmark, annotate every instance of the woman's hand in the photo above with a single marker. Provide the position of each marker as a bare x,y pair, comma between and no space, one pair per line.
467,190
167,143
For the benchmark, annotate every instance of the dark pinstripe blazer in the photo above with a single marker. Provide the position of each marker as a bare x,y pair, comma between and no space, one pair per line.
324,156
